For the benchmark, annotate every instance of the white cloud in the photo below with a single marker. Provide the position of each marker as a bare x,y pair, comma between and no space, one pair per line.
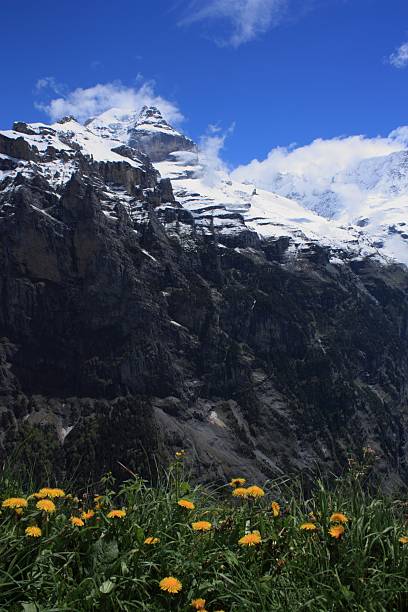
318,160
400,135
211,145
316,174
84,103
247,18
399,59
49,83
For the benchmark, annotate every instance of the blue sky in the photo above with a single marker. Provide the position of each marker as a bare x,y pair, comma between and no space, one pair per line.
280,71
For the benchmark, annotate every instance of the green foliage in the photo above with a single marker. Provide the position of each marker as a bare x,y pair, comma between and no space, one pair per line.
106,564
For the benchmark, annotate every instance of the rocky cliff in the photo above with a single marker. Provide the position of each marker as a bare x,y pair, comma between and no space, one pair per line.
133,322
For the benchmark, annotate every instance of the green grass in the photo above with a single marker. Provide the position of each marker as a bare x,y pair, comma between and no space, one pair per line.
106,564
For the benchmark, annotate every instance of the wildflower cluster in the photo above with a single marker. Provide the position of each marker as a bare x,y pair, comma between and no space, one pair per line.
167,547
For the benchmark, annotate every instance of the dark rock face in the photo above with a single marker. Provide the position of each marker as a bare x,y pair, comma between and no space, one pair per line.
159,146
17,148
124,337
160,142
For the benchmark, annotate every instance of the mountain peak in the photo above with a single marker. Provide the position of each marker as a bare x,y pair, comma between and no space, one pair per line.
150,114
151,119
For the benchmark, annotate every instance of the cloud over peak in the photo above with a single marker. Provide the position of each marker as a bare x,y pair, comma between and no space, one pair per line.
83,103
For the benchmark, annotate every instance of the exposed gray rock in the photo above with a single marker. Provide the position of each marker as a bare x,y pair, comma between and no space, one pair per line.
160,143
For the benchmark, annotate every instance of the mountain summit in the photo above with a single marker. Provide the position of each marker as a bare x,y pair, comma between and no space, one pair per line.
147,132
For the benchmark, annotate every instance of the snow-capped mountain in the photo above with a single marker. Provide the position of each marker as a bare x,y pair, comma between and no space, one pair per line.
363,214
146,131
148,304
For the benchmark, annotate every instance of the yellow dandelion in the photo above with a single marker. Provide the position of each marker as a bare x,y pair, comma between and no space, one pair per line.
87,515
152,540
336,531
201,526
42,493
308,527
76,521
48,492
33,532
237,482
250,539
15,502
117,514
170,585
185,503
275,507
180,454
198,604
46,505
240,492
255,491
338,517
57,493
403,540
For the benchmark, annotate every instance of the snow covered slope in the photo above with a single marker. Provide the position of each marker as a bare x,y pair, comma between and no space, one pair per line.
371,193
224,205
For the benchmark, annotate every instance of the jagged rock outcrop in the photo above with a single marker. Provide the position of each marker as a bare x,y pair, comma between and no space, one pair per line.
160,141
126,333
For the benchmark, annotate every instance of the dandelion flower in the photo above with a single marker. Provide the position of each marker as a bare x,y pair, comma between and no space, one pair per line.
338,517
184,503
46,505
170,585
15,502
76,521
87,515
336,531
201,526
275,509
255,491
403,540
117,514
33,532
180,454
308,527
240,492
48,492
152,540
198,604
237,482
57,493
41,494
250,539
